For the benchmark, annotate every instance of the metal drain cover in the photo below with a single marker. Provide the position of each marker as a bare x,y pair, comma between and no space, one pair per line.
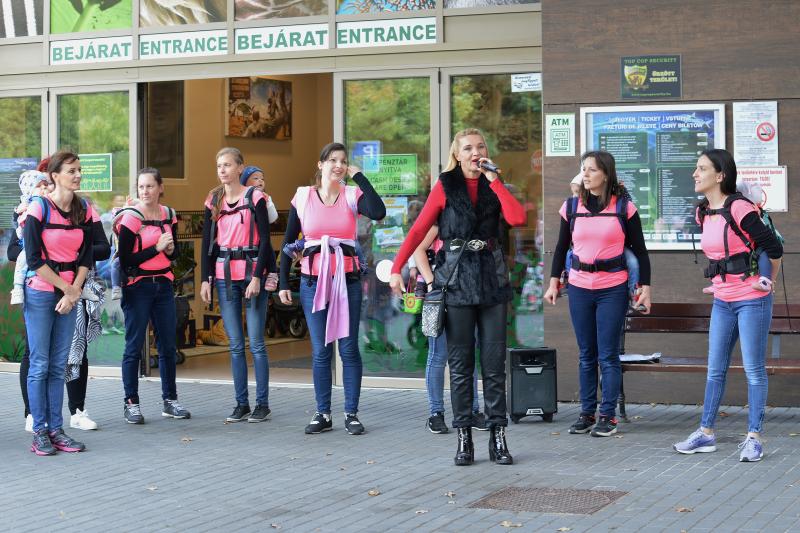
546,500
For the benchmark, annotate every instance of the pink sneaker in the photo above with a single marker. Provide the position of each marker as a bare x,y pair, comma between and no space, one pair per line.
708,290
763,284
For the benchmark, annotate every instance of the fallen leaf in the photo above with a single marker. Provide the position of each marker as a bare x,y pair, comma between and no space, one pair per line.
509,523
342,468
652,405
723,414
421,511
451,502
61,514
186,440
370,462
152,488
374,492
619,436
556,433
684,509
564,529
449,494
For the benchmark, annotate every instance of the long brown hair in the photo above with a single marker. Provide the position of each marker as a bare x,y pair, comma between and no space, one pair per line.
77,211
218,192
326,152
605,162
455,146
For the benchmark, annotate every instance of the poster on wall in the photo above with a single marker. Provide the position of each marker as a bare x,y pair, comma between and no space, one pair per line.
10,169
266,9
650,77
73,16
772,181
21,19
656,150
175,13
357,7
755,134
452,4
260,108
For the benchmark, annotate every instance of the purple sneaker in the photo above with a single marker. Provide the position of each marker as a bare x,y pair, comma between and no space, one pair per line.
752,450
697,442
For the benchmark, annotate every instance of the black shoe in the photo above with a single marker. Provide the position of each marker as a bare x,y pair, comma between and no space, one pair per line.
41,444
319,422
133,413
479,421
173,409
239,414
259,414
498,449
465,453
605,427
63,442
583,424
352,424
436,423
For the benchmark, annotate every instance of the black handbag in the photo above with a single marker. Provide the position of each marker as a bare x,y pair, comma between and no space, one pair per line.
433,306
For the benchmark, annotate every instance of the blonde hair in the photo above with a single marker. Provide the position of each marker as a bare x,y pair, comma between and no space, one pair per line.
452,160
218,192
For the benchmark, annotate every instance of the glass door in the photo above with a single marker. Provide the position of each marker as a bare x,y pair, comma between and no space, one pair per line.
510,116
22,143
389,121
99,123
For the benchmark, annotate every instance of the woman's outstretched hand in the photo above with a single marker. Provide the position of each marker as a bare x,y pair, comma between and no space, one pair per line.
552,292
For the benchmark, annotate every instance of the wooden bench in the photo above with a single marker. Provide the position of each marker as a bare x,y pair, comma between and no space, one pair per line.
695,318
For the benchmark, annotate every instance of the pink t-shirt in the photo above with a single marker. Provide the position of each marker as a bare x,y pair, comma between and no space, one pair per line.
62,245
233,231
335,220
149,236
596,238
733,289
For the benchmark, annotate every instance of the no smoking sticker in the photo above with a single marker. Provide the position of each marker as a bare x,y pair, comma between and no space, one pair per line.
765,131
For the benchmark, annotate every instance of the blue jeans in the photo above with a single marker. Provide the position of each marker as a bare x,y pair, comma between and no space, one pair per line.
49,339
150,300
597,317
434,375
322,354
749,322
256,317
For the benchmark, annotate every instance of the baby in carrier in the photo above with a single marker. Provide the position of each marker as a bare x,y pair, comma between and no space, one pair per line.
754,193
116,266
31,183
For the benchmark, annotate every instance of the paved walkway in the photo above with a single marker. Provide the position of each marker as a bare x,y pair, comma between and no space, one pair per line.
204,475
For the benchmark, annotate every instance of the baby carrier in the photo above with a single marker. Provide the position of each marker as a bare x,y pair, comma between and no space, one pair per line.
163,225
61,266
614,264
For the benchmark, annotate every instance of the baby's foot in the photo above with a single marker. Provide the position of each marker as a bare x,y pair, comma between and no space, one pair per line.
763,284
17,295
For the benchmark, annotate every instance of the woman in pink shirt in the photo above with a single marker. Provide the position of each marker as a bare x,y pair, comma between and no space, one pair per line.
58,245
602,225
731,232
330,281
147,246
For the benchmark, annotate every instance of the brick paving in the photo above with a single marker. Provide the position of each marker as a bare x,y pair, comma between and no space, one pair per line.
204,475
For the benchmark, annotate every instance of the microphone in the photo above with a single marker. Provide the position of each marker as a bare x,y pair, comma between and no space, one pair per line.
490,167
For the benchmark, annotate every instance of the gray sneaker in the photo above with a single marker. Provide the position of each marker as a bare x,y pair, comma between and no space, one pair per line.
133,413
697,442
752,450
173,409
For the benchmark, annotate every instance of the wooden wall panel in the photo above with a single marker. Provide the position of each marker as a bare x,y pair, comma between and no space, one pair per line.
731,50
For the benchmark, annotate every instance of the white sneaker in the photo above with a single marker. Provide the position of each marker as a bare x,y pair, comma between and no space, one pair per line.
116,293
29,423
17,296
81,420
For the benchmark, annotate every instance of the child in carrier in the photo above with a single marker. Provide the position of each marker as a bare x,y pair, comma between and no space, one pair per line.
754,193
31,183
630,258
116,267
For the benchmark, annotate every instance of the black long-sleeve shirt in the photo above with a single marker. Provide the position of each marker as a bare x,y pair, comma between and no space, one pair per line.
127,241
266,256
370,205
634,239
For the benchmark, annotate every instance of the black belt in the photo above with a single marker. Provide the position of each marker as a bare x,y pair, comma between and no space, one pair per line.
740,263
614,264
60,266
473,245
242,253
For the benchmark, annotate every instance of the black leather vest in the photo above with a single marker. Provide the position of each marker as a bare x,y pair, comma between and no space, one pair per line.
481,277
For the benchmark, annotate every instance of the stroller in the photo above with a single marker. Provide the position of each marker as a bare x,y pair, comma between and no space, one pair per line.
287,318
184,330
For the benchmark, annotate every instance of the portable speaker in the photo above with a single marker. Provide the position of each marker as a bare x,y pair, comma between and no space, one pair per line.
532,383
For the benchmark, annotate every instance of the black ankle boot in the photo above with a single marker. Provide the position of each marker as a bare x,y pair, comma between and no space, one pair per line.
498,449
465,454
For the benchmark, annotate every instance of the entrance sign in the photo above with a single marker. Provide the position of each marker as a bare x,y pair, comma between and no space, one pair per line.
392,32
755,134
772,180
96,172
396,175
99,50
656,150
560,136
183,44
282,39
650,77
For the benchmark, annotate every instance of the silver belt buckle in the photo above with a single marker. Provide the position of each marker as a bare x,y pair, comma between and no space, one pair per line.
476,245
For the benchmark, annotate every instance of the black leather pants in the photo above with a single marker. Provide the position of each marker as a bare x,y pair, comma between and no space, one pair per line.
460,329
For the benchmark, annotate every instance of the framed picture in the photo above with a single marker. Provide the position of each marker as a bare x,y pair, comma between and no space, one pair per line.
260,108
279,226
190,224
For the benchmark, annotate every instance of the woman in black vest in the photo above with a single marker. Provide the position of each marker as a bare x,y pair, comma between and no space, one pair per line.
467,203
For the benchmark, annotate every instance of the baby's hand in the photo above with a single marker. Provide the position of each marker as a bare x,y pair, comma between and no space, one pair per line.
21,208
131,201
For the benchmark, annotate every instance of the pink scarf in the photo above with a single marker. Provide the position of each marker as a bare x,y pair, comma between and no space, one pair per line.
332,293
